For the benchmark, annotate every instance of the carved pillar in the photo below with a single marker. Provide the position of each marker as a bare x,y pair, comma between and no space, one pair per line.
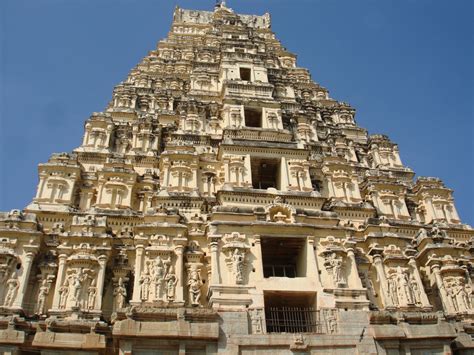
100,281
215,272
24,279
383,281
442,291
138,273
259,261
59,280
425,303
178,250
354,270
312,266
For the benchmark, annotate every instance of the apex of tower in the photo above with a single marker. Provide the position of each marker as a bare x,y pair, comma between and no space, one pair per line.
221,11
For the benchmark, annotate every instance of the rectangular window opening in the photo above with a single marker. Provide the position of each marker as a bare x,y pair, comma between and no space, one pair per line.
265,173
284,257
253,117
245,74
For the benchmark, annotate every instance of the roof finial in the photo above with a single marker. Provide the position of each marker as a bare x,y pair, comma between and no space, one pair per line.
220,3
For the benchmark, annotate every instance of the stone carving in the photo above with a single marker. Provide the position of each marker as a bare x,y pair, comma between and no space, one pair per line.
92,291
158,277
257,320
12,288
145,281
331,320
335,265
403,288
171,282
120,294
215,144
458,293
42,294
194,285
236,250
63,295
415,290
238,258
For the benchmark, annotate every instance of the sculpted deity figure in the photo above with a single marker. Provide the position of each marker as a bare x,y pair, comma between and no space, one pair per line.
450,290
92,292
145,286
171,282
120,293
12,288
63,294
238,265
158,277
194,284
415,290
337,270
76,288
392,291
403,288
42,294
462,297
334,265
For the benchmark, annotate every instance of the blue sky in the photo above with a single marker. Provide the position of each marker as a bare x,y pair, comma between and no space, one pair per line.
405,65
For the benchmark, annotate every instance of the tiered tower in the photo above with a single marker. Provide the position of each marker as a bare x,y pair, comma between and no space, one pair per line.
224,202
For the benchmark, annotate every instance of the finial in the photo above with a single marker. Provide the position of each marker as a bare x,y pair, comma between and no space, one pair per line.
220,3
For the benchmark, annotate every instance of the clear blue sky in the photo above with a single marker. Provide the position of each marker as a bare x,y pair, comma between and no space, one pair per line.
405,65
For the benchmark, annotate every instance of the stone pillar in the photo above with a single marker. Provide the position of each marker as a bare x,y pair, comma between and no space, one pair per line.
138,273
247,175
442,291
20,295
178,250
59,280
312,270
284,175
354,271
215,271
259,258
383,281
100,281
332,192
425,303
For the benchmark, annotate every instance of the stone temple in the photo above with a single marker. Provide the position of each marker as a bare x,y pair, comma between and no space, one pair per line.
224,203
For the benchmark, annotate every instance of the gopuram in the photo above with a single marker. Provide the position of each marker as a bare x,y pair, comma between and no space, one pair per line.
224,203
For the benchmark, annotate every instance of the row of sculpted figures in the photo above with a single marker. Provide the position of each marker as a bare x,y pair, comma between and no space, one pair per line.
430,272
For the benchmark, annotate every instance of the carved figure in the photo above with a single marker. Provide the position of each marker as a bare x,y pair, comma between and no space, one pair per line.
42,294
403,288
257,321
332,322
452,295
415,290
92,291
392,291
12,288
63,294
171,282
462,298
120,293
194,284
145,286
238,265
76,286
158,277
334,265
